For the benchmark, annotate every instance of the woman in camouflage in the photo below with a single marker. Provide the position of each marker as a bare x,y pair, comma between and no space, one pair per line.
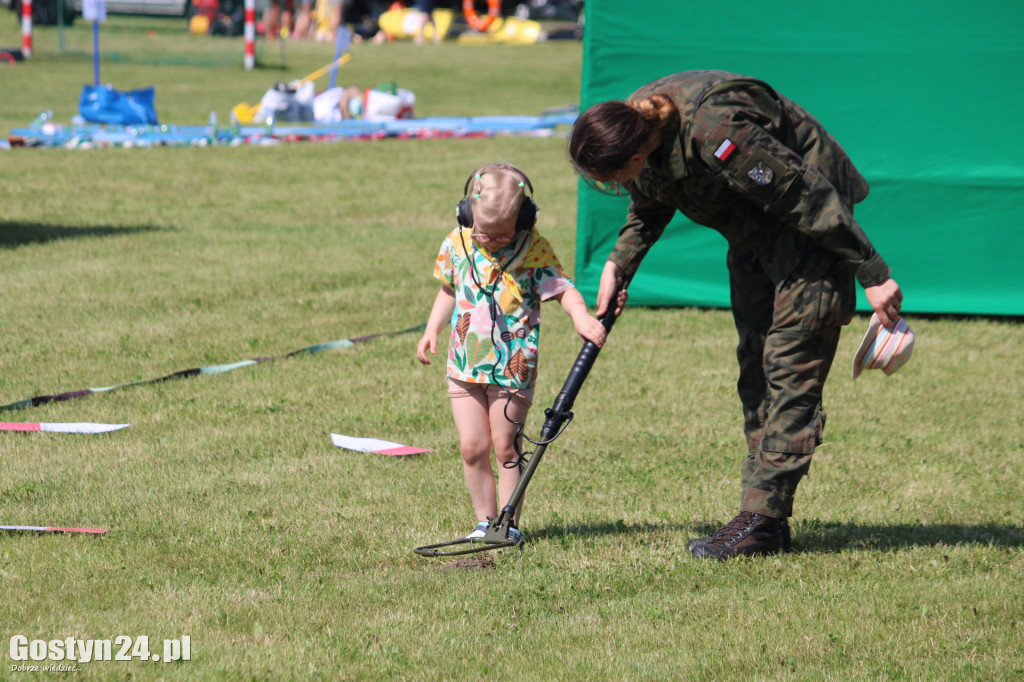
730,153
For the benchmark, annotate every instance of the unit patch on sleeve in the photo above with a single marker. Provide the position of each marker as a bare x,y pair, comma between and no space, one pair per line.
767,173
761,174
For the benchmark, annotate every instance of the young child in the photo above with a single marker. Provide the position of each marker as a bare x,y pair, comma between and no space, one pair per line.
495,269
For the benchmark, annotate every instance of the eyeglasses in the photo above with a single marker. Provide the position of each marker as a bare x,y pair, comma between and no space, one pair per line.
495,238
609,187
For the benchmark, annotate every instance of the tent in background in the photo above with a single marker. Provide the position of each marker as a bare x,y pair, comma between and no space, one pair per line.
926,96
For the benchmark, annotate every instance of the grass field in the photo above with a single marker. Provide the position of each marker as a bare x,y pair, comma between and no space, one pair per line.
234,521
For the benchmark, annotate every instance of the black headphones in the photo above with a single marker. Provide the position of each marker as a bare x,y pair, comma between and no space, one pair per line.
528,210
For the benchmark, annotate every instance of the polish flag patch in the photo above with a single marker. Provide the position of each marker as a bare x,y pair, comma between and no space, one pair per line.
725,149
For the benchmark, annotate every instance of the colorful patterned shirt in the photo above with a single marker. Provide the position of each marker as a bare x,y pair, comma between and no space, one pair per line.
510,284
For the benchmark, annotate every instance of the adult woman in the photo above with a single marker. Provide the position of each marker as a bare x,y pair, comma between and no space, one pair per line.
731,153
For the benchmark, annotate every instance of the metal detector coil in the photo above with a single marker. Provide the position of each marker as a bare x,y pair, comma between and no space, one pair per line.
496,537
560,412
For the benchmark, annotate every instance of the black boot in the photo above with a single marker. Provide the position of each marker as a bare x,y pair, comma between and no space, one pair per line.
748,534
787,538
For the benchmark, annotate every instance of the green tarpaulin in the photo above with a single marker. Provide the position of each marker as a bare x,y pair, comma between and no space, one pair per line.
927,98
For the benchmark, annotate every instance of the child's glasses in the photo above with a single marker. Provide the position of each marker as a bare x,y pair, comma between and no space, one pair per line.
492,238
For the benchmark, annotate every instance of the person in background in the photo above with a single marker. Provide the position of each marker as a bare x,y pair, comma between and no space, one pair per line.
277,19
304,20
335,19
426,18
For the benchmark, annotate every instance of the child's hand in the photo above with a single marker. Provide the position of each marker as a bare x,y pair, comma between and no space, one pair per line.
440,313
428,342
590,328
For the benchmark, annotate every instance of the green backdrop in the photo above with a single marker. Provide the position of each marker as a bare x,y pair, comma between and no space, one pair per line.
926,96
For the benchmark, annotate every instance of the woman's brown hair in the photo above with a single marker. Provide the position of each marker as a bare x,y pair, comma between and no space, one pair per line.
608,134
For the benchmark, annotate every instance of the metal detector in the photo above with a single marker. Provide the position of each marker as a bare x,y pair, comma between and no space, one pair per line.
557,417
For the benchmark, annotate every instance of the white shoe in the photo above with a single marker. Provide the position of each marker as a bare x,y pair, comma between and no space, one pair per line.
479,532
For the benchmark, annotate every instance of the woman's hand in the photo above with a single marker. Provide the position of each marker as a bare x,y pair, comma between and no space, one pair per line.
886,299
612,280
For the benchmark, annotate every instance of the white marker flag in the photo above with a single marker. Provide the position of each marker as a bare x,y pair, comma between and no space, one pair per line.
69,427
380,447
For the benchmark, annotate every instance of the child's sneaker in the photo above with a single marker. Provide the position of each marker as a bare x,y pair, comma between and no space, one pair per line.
479,532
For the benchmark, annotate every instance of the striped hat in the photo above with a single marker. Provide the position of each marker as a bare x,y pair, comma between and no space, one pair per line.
884,349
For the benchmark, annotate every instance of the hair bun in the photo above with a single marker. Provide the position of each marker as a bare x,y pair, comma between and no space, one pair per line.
658,110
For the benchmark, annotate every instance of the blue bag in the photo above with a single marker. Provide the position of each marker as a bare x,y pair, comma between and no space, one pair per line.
104,104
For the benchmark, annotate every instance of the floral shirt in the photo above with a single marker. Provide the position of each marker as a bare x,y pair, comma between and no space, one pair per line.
532,273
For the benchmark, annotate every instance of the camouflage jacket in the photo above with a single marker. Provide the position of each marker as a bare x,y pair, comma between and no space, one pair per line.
756,167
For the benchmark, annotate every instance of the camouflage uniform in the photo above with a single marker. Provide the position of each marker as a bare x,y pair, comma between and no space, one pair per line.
759,169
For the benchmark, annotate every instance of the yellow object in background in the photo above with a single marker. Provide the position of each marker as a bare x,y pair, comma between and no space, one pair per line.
404,23
322,17
519,32
199,25
508,30
244,112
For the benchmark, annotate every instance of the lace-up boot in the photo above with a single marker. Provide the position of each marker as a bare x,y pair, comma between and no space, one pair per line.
748,534
787,538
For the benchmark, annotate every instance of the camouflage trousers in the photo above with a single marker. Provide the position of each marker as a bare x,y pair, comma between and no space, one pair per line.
788,335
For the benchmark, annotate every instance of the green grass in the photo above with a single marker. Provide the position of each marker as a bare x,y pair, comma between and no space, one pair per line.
233,519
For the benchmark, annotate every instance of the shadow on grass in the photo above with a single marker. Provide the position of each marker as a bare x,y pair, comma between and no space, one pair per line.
15,234
814,535
619,527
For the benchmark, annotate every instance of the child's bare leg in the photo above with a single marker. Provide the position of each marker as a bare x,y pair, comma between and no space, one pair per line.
503,433
471,420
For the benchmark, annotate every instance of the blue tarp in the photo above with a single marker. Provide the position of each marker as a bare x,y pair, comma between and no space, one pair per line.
57,135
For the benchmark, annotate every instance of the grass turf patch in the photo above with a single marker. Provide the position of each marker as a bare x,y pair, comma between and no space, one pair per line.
235,521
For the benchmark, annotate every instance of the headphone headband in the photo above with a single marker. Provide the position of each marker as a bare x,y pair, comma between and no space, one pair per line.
528,210
495,166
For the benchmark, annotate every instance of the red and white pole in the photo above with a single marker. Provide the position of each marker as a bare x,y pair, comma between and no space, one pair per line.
26,28
250,34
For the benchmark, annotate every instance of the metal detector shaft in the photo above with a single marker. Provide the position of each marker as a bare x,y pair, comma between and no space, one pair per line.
556,415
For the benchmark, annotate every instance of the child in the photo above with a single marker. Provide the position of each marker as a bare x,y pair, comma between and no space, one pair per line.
495,270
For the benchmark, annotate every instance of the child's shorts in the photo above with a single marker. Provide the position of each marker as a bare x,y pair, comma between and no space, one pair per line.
465,389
